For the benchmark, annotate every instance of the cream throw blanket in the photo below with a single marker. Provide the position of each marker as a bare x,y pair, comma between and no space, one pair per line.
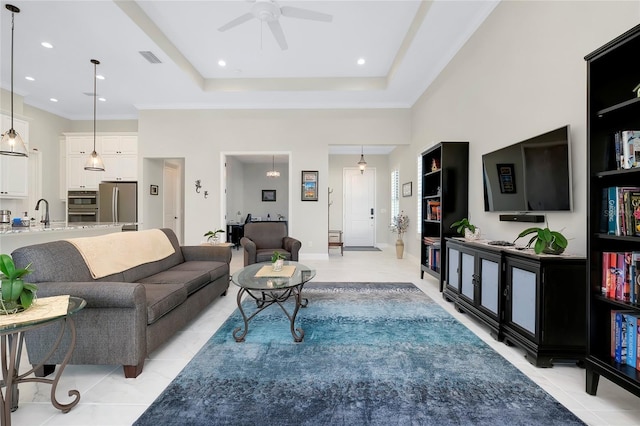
112,253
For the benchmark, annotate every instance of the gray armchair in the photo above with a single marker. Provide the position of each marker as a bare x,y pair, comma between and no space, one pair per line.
261,239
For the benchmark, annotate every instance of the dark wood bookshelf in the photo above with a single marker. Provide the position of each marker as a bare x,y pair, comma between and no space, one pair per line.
449,185
612,106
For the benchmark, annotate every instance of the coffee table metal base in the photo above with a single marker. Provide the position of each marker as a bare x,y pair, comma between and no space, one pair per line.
266,298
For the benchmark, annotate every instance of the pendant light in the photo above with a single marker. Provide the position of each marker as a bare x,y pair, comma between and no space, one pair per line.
273,173
94,162
362,164
11,142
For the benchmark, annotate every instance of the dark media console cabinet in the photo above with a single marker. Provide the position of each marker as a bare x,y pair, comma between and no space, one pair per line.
536,302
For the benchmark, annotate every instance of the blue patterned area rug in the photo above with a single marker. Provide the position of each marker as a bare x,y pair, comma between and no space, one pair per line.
373,354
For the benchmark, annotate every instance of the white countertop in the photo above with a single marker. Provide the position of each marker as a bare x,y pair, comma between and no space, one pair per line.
58,226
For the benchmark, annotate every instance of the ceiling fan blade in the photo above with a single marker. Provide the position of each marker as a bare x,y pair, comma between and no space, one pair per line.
296,12
239,20
276,30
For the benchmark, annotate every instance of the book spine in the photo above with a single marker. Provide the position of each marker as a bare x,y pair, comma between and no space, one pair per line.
617,149
626,283
618,337
627,150
619,276
632,334
612,210
613,261
606,278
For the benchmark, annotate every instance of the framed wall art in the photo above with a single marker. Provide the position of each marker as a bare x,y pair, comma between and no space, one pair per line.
309,185
153,189
407,189
268,195
507,178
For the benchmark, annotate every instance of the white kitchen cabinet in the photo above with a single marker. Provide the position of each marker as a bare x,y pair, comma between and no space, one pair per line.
14,171
81,145
120,167
78,178
119,145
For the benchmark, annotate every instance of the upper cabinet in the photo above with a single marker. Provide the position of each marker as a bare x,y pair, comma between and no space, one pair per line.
14,171
118,152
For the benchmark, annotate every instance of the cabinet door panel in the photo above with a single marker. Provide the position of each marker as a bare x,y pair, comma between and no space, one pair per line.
467,288
523,299
489,290
453,264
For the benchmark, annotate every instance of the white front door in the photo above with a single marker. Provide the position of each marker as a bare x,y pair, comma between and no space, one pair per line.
170,195
359,207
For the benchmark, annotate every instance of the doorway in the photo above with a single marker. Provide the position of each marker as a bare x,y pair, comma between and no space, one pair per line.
172,217
359,207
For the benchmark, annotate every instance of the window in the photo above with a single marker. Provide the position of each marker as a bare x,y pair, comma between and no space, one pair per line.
395,193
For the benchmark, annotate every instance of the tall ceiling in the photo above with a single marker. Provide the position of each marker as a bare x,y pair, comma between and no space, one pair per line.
405,44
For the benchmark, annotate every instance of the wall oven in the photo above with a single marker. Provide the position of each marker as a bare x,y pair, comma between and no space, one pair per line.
82,206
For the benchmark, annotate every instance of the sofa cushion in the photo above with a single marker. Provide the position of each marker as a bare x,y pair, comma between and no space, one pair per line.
162,298
215,269
191,280
146,269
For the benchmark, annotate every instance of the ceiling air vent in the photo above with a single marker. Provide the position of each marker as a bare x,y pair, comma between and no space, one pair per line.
149,56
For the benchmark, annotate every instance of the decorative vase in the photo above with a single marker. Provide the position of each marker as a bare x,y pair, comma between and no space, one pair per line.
277,265
468,235
399,248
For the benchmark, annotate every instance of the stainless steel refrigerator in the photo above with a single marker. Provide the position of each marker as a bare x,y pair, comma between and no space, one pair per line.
118,202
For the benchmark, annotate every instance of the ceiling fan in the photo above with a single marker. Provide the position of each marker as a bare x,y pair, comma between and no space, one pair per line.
269,11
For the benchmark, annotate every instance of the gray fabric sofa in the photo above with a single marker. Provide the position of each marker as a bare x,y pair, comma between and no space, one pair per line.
128,314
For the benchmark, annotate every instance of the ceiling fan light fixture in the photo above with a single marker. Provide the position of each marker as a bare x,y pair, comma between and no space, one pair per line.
11,142
94,163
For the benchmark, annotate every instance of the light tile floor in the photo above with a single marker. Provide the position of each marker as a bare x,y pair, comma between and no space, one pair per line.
107,398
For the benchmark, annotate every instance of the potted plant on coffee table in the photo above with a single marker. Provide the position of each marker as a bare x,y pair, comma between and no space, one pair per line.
17,295
277,261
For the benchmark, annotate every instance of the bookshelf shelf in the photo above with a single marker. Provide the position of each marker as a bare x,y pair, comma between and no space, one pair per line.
444,201
609,110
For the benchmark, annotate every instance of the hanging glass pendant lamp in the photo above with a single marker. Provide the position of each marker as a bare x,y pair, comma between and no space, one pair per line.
273,173
362,164
11,142
94,162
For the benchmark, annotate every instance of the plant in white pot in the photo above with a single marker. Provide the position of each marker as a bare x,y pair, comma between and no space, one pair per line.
277,261
466,228
17,295
212,236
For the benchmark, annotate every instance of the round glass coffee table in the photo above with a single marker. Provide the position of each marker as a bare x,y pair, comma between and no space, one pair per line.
267,287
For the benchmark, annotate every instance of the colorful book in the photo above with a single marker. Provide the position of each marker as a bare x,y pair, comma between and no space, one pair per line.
613,261
634,207
628,140
619,276
638,349
606,276
611,202
635,259
632,335
620,339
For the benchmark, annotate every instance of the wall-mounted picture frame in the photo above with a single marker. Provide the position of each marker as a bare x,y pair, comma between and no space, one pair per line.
309,185
407,189
153,189
268,195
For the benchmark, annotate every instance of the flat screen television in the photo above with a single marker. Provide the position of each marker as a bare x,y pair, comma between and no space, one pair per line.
530,176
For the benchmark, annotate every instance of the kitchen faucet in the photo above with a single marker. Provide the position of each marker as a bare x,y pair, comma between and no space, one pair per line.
46,211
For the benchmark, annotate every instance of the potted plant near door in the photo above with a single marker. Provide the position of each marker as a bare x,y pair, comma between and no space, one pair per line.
399,225
212,236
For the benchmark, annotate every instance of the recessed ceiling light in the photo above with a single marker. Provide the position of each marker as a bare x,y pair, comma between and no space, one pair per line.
361,61
222,63
53,99
47,45
29,78
100,77
102,99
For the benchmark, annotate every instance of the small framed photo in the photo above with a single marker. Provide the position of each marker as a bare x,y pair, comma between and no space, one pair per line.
153,189
309,185
268,195
407,189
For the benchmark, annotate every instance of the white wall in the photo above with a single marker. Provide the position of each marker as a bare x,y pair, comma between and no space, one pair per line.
521,74
306,134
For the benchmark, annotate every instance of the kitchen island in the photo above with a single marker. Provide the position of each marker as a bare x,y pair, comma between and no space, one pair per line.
12,238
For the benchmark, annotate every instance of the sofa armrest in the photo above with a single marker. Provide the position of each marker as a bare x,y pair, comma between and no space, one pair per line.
206,252
250,255
292,246
99,294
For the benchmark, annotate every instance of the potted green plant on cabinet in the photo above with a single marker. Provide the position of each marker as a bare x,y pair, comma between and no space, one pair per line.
466,228
545,240
16,294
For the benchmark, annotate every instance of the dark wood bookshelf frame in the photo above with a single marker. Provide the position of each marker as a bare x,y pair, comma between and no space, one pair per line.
611,106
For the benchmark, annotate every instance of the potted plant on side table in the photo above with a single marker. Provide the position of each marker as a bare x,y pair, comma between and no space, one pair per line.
16,294
277,261
212,236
